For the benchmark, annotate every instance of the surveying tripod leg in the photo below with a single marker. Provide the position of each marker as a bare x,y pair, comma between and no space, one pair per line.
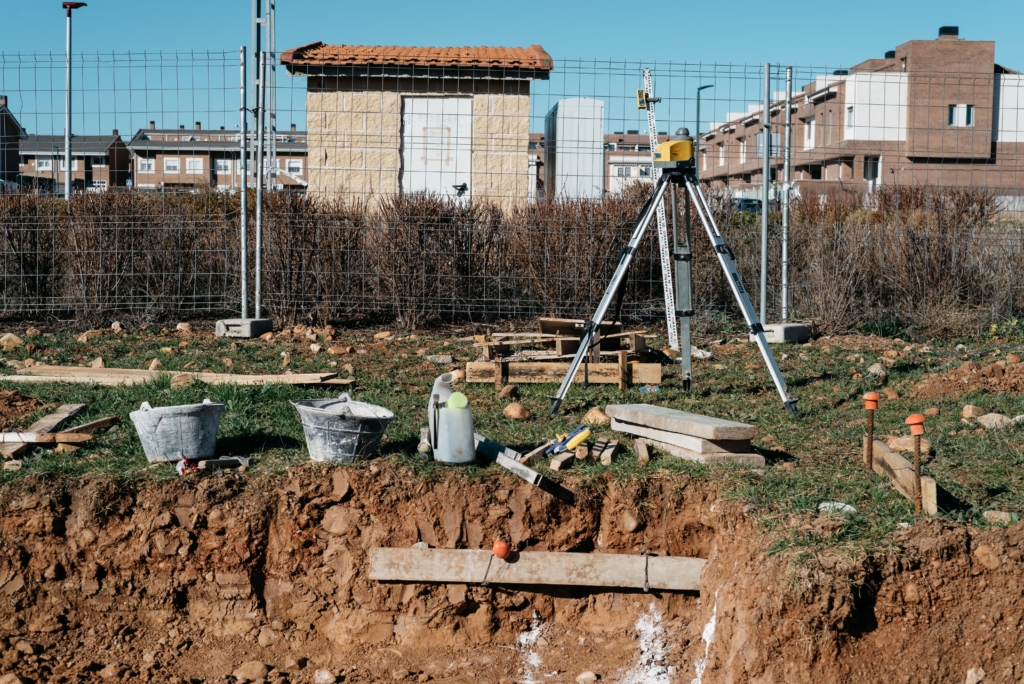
742,298
593,326
681,254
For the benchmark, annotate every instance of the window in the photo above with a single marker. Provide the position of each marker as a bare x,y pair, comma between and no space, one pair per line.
293,166
961,115
146,165
623,172
194,165
870,168
645,170
74,165
849,116
172,165
611,147
810,129
743,151
704,162
222,166
98,161
44,165
721,154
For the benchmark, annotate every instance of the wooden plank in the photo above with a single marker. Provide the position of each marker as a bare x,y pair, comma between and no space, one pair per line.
623,370
81,379
41,369
608,455
49,423
751,459
539,372
471,566
95,426
695,444
537,454
642,455
340,382
567,346
681,422
131,376
563,461
901,471
44,437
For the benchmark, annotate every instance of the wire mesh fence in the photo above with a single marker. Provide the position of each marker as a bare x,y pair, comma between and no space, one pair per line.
482,184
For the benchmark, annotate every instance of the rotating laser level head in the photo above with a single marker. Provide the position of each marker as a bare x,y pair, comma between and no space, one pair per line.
676,153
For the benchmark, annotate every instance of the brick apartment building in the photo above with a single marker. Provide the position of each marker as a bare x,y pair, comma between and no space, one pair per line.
936,112
98,162
189,159
386,119
11,134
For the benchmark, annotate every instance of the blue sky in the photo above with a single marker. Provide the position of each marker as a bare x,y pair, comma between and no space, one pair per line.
822,35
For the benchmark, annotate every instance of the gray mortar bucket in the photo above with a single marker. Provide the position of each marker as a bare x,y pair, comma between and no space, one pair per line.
169,432
341,430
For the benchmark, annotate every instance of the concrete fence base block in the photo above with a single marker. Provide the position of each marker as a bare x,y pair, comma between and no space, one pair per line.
777,333
244,327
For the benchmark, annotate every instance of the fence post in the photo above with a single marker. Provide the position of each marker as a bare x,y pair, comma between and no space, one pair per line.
766,172
786,194
243,192
260,100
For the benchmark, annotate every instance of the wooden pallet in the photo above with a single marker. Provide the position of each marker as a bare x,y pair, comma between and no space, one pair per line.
623,373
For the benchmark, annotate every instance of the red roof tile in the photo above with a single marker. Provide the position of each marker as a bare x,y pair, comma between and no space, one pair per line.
319,54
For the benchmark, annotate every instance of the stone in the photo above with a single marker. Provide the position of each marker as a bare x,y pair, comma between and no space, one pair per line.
516,411
976,675
155,365
630,522
596,416
441,359
166,350
1010,358
183,327
11,466
32,332
10,341
11,678
424,677
906,444
878,370
509,392
268,336
891,354
338,350
324,677
971,411
315,348
228,363
383,335
286,359
116,326
293,664
988,557
1000,517
891,394
98,363
252,670
994,421
267,637
399,675
931,412
586,677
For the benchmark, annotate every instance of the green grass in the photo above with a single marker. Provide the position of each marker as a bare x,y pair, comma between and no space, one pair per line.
982,471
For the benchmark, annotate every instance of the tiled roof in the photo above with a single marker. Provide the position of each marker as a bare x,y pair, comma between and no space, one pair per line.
319,54
80,144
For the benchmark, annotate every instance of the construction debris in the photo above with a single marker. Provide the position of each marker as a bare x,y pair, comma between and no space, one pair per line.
50,423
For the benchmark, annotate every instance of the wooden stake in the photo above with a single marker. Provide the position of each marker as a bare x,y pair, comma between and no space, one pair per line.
643,456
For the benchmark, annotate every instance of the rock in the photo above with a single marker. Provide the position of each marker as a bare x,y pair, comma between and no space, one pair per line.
994,421
891,354
348,368
183,327
911,594
399,675
878,370
596,416
338,350
988,557
11,678
976,675
292,664
1001,517
906,444
315,348
670,352
155,365
836,507
383,335
441,359
891,394
458,374
1010,358
11,466
340,484
268,637
516,411
252,670
509,392
586,677
972,411
116,326
286,358
32,332
696,353
931,412
424,677
113,670
630,522
166,350
98,363
268,336
228,363
10,341
324,677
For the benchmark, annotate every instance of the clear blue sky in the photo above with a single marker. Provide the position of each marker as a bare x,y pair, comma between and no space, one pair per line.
808,34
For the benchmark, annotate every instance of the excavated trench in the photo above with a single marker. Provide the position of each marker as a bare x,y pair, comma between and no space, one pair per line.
186,580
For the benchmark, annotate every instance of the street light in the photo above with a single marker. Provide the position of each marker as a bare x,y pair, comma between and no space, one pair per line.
696,138
67,104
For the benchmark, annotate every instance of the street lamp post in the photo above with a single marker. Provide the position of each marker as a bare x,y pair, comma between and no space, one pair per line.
68,6
696,138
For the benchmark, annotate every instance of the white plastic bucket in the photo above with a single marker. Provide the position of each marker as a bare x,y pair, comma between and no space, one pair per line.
341,430
169,433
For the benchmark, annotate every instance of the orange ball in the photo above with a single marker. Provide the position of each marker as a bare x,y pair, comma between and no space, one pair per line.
501,549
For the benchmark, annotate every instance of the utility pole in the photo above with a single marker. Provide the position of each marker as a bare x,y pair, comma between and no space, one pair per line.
68,6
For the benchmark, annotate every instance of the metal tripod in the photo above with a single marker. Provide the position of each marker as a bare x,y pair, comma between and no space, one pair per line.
725,259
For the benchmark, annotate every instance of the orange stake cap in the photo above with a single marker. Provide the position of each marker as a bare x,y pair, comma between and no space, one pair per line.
501,549
871,401
916,423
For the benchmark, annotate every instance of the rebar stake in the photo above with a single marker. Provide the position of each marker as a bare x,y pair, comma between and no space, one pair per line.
871,404
916,423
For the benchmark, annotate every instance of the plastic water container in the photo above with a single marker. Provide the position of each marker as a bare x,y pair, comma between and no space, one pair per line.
341,430
168,433
455,443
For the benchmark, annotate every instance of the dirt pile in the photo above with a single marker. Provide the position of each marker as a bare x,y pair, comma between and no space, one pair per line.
971,376
194,581
14,407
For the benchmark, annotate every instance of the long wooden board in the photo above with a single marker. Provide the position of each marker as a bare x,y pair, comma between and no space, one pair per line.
901,471
526,373
682,422
469,566
695,444
49,423
750,459
131,376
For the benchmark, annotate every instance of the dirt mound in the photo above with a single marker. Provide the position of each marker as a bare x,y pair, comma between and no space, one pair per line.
14,407
971,376
190,580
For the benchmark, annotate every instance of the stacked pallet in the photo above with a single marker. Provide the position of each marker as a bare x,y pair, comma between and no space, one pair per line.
687,435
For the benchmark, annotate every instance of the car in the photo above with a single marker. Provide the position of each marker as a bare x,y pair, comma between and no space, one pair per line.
746,205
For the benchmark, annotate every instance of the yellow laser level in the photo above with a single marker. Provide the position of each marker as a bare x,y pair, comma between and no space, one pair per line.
675,153
641,98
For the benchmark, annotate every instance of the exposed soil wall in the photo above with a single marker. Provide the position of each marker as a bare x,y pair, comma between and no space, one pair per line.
186,580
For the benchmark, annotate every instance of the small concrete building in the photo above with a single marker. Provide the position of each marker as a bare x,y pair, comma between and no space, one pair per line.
574,152
450,121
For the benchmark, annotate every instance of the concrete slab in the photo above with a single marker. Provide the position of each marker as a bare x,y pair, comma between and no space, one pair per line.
672,420
751,459
697,444
247,328
777,333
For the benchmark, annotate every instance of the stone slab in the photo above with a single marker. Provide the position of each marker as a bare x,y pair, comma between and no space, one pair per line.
750,459
681,422
696,444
